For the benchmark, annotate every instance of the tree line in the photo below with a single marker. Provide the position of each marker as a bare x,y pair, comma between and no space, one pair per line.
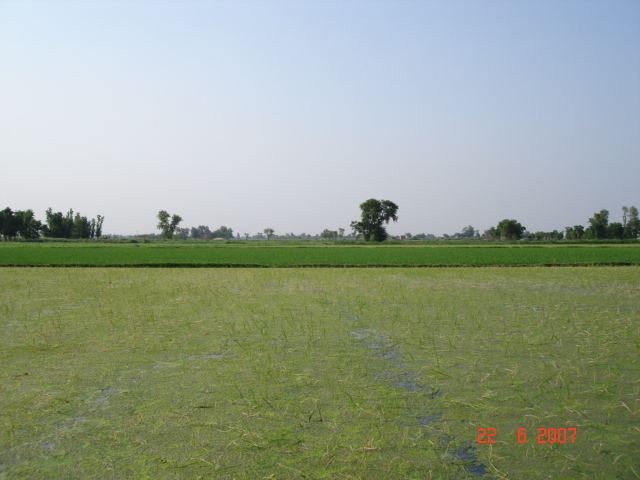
375,214
599,229
169,228
23,224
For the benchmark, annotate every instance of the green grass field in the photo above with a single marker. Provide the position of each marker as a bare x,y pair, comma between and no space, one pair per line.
319,373
208,254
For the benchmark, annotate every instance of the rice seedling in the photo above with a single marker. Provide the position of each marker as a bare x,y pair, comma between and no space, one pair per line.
207,255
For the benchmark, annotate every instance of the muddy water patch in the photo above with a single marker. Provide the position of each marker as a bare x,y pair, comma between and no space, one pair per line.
428,419
101,396
399,377
466,454
386,350
199,357
65,429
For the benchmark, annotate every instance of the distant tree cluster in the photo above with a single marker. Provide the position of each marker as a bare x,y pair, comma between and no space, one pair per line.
19,224
555,235
168,226
23,224
467,232
329,234
600,228
203,232
420,236
72,226
506,229
332,234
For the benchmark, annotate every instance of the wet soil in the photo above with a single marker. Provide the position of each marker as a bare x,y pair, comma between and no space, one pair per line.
398,376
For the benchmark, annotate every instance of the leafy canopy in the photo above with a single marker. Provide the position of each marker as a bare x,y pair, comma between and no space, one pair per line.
168,227
375,213
510,229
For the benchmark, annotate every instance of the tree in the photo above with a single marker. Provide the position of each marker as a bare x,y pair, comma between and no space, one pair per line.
341,233
468,232
9,224
168,227
574,233
223,232
99,222
202,232
181,233
28,226
599,225
58,225
615,230
375,213
268,232
329,234
555,235
632,226
81,227
510,229
492,234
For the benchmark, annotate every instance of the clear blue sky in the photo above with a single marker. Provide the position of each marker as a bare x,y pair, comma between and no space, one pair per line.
289,114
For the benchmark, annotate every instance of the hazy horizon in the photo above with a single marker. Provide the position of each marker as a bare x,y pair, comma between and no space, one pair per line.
288,115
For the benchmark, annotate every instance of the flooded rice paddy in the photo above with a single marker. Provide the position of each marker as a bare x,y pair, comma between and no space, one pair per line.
345,374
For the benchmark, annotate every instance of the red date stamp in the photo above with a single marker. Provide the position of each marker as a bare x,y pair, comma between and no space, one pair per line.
545,435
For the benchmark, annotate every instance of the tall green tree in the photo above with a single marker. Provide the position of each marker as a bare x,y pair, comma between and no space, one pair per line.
29,227
632,224
58,225
81,227
615,230
599,224
98,229
269,233
510,229
9,224
168,224
575,233
375,214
